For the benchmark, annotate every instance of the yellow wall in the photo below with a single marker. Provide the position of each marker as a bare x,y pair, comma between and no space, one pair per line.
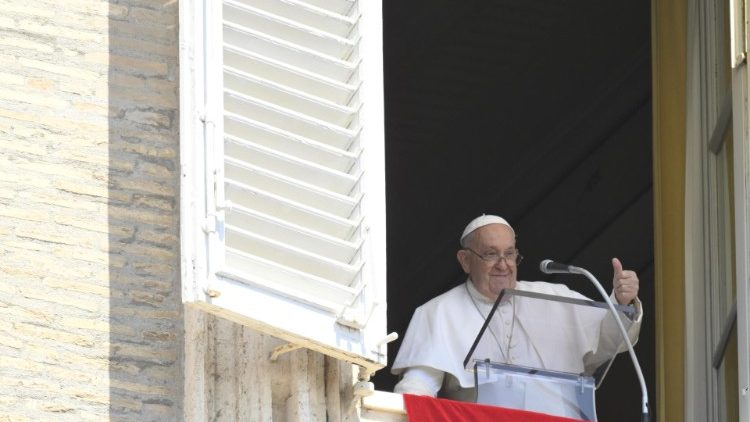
669,40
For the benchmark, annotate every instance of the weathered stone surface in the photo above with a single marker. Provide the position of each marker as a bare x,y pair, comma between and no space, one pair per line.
91,318
90,315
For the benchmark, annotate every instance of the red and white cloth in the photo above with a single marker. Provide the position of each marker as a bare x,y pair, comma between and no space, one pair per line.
429,409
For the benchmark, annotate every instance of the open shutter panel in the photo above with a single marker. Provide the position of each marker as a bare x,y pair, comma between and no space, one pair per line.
291,201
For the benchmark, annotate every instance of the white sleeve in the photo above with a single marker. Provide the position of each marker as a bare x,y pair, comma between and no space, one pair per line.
610,341
420,380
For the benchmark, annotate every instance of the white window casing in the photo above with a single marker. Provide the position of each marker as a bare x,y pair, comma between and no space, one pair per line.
283,170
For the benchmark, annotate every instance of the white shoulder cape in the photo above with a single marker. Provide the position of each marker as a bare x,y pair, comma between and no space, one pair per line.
442,331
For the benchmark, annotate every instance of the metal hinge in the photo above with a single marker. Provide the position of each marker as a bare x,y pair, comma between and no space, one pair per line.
352,317
739,60
212,222
209,224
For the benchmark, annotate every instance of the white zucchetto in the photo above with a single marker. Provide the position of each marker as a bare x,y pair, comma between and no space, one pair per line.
482,221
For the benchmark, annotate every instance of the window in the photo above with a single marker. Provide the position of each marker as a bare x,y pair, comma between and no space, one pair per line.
282,155
716,116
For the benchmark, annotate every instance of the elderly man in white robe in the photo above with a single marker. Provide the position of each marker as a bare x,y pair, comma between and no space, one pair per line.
430,359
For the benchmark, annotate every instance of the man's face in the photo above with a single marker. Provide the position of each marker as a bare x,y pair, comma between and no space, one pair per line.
490,278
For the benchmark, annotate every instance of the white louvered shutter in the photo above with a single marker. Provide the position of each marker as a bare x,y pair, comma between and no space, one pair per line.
290,118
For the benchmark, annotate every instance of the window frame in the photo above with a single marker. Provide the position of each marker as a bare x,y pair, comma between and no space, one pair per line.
716,235
357,338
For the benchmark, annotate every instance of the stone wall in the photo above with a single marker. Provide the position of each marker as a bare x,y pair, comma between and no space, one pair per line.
90,309
230,375
91,319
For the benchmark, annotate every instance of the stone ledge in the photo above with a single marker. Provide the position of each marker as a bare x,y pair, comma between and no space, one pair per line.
383,406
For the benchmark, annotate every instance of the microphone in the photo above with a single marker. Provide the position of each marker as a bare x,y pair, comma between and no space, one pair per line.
549,266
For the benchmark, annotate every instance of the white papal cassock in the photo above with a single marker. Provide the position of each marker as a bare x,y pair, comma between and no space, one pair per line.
529,332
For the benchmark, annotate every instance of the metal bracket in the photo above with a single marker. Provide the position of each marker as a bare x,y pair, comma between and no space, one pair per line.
225,205
348,317
739,60
284,348
203,117
363,389
209,224
212,293
387,339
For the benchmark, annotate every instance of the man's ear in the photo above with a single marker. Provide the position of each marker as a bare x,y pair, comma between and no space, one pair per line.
463,259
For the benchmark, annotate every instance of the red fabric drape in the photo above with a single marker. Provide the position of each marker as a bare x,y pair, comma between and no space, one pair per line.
428,409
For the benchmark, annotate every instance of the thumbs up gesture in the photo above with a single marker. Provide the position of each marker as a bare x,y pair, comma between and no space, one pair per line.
625,283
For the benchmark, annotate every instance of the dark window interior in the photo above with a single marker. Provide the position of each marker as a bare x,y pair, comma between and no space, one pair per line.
539,111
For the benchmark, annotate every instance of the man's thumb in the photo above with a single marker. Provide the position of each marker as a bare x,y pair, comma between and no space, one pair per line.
617,266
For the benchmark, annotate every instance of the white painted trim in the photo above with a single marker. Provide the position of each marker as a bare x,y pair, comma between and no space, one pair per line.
203,201
214,136
193,263
373,156
294,322
741,143
192,193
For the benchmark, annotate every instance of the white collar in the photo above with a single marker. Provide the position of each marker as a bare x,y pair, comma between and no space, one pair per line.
478,296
